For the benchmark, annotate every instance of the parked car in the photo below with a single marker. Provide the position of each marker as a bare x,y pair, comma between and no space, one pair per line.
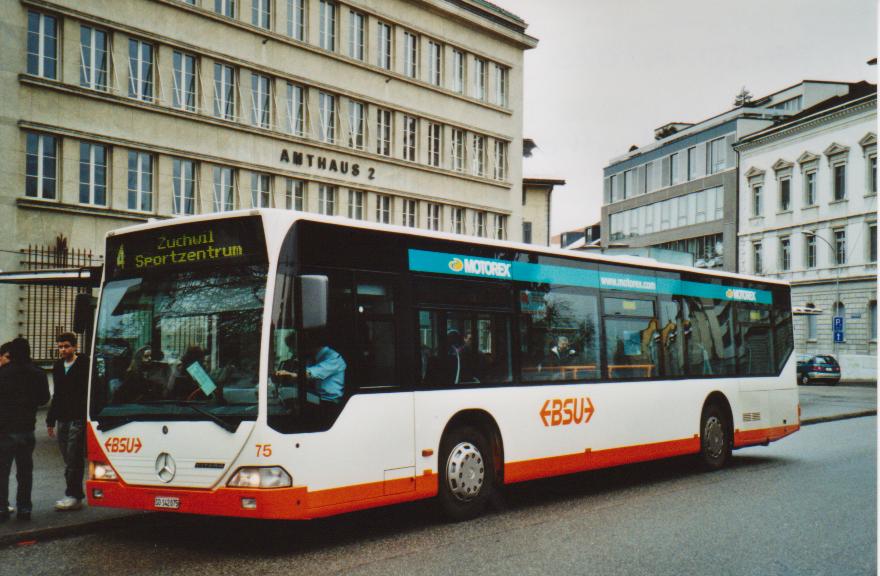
818,368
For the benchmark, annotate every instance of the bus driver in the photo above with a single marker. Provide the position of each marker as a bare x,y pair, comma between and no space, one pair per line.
327,371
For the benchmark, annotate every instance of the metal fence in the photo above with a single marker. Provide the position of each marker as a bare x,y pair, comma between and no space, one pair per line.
46,311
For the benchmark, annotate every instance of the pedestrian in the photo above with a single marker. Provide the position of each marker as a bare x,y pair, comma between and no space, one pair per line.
23,389
4,354
70,375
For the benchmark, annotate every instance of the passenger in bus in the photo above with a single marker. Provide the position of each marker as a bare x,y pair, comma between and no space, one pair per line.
456,368
182,386
140,381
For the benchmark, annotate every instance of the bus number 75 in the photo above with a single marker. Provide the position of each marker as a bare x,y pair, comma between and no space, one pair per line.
264,450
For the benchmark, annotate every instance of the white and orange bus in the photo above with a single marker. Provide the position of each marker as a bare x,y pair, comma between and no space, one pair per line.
466,364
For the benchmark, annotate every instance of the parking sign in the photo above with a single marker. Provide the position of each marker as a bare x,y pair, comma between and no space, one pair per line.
837,323
838,336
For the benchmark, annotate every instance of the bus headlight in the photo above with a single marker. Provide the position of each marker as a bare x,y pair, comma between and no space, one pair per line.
260,477
101,471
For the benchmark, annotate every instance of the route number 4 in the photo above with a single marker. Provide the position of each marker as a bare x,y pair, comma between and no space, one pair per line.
264,450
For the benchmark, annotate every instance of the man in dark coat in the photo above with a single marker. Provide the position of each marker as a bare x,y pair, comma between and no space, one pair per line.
70,375
23,388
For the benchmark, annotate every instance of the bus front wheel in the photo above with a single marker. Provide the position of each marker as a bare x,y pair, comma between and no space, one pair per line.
716,444
467,473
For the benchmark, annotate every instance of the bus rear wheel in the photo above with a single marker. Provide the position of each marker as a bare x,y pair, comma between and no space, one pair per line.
467,473
716,443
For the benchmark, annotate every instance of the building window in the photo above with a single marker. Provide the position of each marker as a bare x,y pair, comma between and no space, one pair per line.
872,175
184,78
435,143
356,204
409,138
183,187
480,224
295,195
224,91
757,259
527,232
810,251
628,187
435,63
140,70
356,118
673,169
840,246
756,200
327,25
500,227
458,150
260,13
296,19
614,185
93,58
92,174
812,323
383,132
434,217
261,193
356,22
872,242
785,194
500,160
261,100
790,106
872,320
458,71
500,85
692,163
383,42
457,223
296,109
225,8
409,213
40,166
479,79
42,45
326,117
383,209
785,254
810,188
410,54
839,181
224,189
140,181
717,157
326,199
479,156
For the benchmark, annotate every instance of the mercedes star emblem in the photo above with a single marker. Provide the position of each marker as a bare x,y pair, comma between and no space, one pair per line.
165,467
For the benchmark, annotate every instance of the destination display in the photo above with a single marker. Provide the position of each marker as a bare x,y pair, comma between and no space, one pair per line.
224,242
460,265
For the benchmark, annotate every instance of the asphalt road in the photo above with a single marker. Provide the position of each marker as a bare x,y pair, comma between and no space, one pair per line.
805,505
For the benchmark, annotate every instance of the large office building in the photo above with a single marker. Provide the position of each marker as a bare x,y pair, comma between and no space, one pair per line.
808,214
679,192
401,111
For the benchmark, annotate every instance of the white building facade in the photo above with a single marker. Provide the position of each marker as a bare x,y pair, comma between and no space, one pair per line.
808,214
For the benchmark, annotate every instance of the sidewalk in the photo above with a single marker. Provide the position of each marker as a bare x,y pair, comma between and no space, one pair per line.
818,404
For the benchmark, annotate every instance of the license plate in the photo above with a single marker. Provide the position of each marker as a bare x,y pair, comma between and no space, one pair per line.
167,502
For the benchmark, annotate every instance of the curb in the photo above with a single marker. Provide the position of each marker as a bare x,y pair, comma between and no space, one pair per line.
823,419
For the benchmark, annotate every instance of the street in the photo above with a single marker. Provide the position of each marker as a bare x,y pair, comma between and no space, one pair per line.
804,505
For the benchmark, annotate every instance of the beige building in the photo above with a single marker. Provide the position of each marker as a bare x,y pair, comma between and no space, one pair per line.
408,112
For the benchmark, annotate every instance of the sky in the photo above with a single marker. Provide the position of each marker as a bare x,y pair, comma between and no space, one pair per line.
606,73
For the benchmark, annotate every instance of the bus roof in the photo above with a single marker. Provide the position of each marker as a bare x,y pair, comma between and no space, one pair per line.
293,216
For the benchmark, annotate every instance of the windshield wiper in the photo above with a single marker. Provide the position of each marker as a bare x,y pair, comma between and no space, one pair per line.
228,426
111,422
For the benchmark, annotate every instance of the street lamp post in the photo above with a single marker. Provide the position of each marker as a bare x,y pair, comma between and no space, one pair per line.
836,307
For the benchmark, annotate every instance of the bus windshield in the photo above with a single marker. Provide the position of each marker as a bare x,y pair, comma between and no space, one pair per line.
179,346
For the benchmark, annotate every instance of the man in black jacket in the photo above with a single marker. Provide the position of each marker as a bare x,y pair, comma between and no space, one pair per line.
70,375
23,388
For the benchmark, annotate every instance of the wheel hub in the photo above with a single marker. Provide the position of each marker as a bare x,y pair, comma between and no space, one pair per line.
465,471
714,434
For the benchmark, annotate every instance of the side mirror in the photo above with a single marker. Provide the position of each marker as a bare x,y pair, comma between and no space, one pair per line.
311,294
83,312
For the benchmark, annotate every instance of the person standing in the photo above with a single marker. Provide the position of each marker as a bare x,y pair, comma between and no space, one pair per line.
23,389
70,374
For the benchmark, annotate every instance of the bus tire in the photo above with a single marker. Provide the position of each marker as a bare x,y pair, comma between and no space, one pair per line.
716,442
467,473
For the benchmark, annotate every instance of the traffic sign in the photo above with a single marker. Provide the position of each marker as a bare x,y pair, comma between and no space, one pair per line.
837,323
838,336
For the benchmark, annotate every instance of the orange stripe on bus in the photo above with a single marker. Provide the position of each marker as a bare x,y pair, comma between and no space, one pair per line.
742,438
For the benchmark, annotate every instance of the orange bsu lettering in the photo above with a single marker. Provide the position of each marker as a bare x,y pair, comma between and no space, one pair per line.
562,412
123,444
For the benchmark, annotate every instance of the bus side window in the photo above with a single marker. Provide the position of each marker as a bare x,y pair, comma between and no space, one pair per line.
672,337
464,347
375,338
755,351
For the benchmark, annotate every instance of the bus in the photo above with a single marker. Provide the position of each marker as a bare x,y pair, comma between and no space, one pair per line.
275,364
